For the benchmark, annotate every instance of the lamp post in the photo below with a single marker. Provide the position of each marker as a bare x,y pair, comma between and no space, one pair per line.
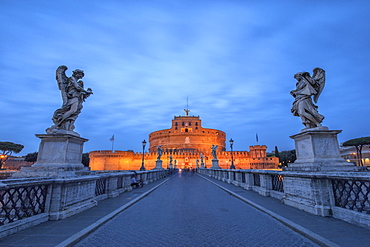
232,157
142,168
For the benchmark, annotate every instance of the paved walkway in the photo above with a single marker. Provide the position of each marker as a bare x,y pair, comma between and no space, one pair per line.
189,210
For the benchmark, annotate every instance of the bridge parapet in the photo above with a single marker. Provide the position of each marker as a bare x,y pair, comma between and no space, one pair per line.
26,202
342,195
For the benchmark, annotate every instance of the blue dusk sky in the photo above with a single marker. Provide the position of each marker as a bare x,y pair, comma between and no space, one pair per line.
234,60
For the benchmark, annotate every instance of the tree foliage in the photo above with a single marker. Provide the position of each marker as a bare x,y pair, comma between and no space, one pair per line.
7,149
85,159
31,157
358,143
286,157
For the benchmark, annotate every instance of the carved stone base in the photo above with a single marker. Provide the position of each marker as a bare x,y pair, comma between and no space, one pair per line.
215,164
158,165
317,149
60,155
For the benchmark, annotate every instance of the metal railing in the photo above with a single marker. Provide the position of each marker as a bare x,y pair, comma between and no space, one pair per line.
120,182
256,179
352,195
101,186
21,202
277,182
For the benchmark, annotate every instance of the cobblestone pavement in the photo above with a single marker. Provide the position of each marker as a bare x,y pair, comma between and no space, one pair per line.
189,211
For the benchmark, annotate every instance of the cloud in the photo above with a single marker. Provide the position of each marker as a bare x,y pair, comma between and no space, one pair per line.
234,60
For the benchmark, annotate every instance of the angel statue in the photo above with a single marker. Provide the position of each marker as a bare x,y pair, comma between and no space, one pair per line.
73,95
160,152
303,105
214,154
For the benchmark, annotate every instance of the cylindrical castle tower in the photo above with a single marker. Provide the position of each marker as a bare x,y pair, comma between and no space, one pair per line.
187,135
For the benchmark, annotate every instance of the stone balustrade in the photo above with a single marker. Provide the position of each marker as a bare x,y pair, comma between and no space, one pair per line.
342,195
26,202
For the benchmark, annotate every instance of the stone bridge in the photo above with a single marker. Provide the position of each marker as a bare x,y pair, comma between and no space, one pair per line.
206,207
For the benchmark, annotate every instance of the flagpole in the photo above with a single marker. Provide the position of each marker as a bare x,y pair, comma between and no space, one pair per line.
112,139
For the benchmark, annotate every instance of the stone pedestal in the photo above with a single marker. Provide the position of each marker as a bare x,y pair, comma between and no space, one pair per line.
59,155
318,154
215,164
158,165
317,149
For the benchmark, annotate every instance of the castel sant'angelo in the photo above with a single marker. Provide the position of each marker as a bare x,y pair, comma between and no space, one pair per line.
184,143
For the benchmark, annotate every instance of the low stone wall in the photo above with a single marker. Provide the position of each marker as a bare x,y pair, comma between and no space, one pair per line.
26,202
342,195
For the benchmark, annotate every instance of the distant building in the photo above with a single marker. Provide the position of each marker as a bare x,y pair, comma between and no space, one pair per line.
350,154
16,163
185,141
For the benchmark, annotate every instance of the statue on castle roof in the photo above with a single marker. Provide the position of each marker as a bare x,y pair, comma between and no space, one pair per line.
303,105
73,95
187,112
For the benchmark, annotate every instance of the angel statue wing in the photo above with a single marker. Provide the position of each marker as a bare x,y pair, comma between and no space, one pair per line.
62,80
319,78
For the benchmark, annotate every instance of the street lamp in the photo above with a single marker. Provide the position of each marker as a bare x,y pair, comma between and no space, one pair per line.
142,168
232,157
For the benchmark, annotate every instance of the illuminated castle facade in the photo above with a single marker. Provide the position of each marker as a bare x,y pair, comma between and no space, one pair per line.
184,142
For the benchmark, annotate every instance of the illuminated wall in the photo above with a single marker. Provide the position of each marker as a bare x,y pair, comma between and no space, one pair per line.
126,160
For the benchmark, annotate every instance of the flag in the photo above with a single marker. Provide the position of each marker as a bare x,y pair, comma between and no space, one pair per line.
112,138
257,138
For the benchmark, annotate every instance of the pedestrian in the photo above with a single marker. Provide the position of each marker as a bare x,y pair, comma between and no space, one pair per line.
134,182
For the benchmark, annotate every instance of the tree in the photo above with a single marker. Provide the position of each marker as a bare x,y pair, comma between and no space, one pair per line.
7,149
358,143
277,152
85,159
31,157
286,157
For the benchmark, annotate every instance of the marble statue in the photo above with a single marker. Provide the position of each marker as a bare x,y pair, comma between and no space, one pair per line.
73,95
160,152
306,88
201,158
214,154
